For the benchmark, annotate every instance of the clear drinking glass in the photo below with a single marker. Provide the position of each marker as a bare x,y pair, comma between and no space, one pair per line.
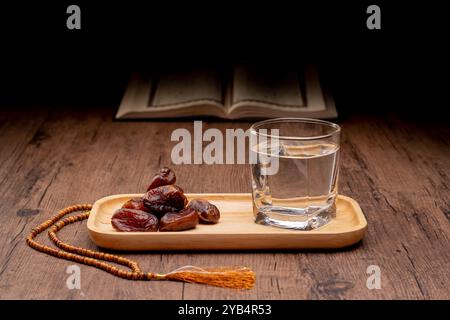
294,172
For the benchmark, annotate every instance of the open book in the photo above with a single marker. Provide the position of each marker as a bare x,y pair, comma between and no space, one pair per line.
241,92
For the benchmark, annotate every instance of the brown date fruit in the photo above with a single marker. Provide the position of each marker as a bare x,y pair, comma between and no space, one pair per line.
164,177
134,220
177,221
135,203
207,212
164,199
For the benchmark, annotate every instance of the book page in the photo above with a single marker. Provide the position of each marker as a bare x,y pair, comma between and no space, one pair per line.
259,93
314,94
185,87
279,86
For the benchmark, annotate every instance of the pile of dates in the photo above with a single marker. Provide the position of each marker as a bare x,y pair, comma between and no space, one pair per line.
164,207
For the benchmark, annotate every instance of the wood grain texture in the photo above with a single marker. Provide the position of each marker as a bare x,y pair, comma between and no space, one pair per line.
397,169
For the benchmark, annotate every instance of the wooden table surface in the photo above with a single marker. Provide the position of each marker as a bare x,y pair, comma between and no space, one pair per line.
397,169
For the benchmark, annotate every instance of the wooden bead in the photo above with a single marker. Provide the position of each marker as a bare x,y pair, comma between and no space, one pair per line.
82,255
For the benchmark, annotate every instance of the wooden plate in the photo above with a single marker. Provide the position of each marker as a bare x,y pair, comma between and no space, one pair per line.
236,229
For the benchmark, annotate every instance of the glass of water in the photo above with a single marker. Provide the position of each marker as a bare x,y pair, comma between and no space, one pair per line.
294,172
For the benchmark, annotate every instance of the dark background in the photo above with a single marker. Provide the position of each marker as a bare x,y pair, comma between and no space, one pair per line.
400,69
395,68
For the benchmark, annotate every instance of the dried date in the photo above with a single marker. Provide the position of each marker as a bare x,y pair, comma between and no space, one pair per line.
135,203
164,199
164,177
127,220
177,221
207,212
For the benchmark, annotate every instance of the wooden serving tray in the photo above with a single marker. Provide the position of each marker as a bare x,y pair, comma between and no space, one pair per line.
236,229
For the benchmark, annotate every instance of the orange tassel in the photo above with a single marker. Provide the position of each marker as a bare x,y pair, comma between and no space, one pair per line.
226,277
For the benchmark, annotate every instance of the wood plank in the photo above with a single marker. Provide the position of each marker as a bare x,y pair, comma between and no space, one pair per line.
396,168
